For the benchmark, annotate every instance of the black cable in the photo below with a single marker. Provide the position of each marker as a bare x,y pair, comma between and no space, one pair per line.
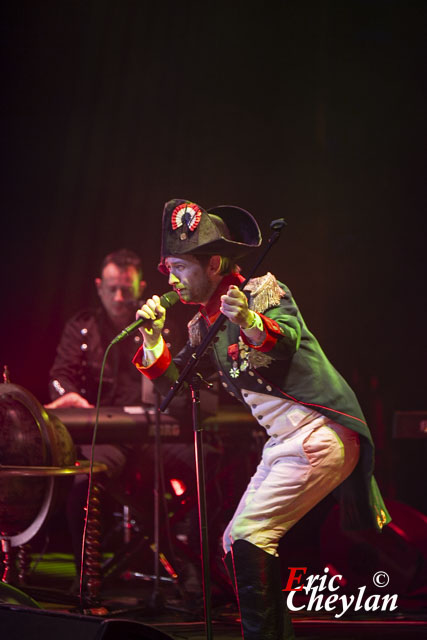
89,491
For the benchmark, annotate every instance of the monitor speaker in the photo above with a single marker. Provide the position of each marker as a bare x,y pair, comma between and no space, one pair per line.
19,623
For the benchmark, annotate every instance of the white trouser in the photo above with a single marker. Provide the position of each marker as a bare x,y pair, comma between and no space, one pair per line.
296,471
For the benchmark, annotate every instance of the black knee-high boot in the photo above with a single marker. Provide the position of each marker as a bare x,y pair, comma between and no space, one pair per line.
256,579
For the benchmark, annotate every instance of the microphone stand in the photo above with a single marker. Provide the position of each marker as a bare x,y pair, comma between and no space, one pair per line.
156,598
193,381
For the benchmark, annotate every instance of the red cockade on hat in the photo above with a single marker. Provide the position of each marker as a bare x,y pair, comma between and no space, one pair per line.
186,213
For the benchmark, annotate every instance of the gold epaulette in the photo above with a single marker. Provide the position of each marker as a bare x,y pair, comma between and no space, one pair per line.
265,293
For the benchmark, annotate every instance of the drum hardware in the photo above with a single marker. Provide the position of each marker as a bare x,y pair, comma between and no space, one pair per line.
92,563
37,458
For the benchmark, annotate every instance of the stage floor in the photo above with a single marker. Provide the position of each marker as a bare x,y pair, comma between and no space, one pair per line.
51,583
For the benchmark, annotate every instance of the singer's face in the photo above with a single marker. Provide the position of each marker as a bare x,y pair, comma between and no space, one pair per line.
192,280
119,290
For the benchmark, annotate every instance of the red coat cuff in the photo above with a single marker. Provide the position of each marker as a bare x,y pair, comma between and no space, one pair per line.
272,331
158,367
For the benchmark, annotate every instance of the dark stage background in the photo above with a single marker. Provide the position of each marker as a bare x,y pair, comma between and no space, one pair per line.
314,111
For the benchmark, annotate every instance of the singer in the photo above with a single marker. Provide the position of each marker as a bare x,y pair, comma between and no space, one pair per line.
269,360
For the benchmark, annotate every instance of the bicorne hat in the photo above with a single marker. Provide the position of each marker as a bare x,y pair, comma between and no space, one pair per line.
224,230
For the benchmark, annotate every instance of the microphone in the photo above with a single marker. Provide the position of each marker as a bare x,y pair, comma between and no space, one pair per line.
166,300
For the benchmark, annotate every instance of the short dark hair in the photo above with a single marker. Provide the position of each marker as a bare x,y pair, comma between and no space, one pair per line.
123,258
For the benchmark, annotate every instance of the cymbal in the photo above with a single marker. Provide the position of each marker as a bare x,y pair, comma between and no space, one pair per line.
80,467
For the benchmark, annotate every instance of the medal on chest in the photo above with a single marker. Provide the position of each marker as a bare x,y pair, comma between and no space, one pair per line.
238,354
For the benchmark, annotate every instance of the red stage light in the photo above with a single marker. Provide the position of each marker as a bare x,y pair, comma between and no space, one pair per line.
178,486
